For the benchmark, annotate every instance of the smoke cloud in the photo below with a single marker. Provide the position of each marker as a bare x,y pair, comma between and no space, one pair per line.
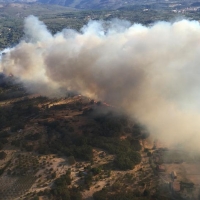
152,73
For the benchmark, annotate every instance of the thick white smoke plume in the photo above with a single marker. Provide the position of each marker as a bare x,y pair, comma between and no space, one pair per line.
152,73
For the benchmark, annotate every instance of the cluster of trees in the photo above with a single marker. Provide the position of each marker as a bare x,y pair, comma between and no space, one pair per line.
127,160
10,35
33,137
2,155
3,138
88,175
63,140
126,151
8,90
139,131
61,190
110,124
58,146
110,194
16,117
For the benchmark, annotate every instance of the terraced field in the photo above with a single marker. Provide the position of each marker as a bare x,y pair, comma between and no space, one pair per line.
13,187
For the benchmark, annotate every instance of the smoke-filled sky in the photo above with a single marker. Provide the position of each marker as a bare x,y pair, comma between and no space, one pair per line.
152,73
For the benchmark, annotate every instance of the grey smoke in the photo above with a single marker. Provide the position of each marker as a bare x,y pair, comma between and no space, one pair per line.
152,73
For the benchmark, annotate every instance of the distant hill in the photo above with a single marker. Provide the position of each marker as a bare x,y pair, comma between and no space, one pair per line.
84,4
110,4
90,4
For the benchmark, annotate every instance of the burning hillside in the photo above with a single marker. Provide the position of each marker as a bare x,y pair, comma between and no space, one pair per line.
149,72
